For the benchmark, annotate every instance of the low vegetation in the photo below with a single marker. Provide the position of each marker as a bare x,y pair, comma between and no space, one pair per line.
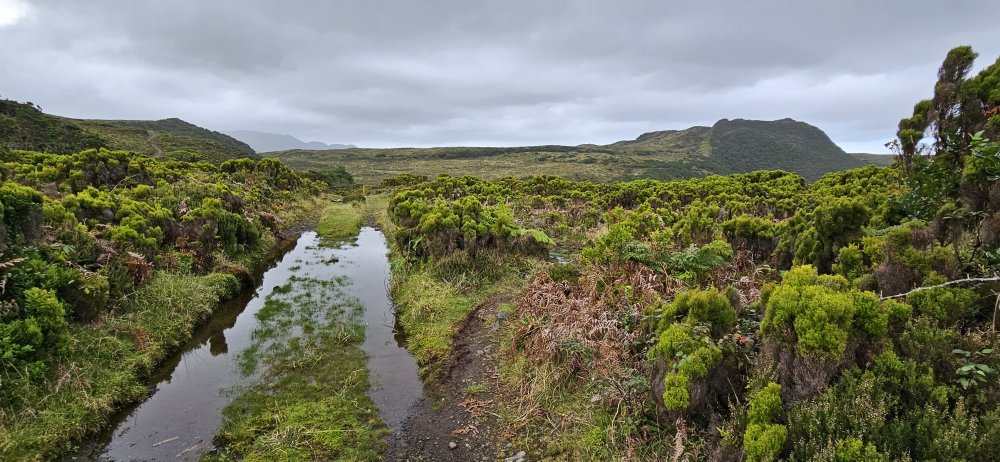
758,316
23,126
753,316
339,221
113,258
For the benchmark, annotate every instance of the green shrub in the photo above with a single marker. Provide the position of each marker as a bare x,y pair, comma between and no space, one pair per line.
764,439
689,353
763,442
850,263
709,307
947,305
823,313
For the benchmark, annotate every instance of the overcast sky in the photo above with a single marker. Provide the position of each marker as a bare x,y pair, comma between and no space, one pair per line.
471,72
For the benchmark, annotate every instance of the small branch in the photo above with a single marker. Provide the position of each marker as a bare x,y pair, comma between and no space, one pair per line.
949,283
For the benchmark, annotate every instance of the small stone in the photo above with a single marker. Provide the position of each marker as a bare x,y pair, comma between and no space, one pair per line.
452,445
502,315
519,457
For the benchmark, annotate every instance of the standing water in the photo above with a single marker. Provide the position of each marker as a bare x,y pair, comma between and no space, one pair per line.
178,421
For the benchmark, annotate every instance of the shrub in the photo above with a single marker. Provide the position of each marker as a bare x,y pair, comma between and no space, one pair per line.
764,439
850,263
689,353
947,305
823,313
709,307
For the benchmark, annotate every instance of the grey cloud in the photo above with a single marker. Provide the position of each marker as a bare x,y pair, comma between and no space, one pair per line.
406,72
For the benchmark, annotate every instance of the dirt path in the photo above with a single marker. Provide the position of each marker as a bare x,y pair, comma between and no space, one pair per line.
150,134
456,419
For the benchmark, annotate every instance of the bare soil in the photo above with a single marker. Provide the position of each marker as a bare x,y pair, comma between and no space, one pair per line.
451,411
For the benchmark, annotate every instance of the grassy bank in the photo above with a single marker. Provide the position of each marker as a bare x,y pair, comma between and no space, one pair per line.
107,367
433,298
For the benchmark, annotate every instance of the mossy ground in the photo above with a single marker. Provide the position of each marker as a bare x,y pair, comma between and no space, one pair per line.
433,298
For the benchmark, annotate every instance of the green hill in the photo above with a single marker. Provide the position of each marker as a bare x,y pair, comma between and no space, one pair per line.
24,126
742,146
730,146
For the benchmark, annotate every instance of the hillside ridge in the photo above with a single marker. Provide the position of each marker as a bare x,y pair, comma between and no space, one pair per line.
23,126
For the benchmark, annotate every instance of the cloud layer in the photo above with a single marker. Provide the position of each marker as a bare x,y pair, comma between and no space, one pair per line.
455,72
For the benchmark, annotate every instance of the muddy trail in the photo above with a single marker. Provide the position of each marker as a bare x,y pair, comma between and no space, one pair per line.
456,419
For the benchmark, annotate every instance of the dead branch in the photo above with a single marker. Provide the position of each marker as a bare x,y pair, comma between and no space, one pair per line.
938,286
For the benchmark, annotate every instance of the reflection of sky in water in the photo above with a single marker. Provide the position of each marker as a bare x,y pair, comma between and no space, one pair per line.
184,412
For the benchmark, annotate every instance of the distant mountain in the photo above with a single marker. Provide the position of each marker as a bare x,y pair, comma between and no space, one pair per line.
269,142
729,146
24,126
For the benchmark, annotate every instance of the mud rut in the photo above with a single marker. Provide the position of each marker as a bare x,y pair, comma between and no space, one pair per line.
448,424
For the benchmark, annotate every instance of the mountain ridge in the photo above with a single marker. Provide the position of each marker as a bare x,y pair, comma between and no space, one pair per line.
729,146
24,126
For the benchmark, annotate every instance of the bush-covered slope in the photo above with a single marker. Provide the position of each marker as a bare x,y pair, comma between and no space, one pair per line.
740,146
108,259
24,126
173,138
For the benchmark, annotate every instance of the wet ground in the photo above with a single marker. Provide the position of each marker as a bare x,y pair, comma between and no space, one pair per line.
188,392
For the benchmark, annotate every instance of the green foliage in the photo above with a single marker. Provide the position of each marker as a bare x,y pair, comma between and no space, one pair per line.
850,262
30,341
172,139
615,246
764,439
973,373
823,312
23,126
763,442
751,227
708,307
430,225
80,236
335,177
689,353
948,305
